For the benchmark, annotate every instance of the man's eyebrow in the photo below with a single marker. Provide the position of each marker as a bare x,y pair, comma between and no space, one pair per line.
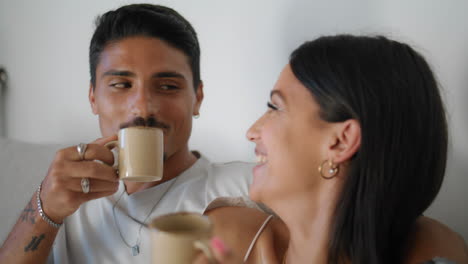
168,74
118,73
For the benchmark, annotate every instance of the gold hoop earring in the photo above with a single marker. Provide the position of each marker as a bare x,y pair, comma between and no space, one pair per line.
332,170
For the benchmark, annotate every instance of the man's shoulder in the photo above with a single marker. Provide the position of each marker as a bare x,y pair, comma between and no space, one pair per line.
430,238
235,172
232,168
224,179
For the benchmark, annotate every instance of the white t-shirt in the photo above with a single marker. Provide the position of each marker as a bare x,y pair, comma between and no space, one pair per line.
90,235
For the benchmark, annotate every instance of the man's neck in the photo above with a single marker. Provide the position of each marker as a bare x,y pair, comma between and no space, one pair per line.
173,167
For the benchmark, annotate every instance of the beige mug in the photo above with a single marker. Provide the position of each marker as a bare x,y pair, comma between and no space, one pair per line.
177,238
140,154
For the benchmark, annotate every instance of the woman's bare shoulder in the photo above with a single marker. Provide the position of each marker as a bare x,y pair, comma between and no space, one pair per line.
235,214
431,239
236,226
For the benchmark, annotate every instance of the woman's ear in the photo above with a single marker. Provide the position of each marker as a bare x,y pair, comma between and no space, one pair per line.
346,141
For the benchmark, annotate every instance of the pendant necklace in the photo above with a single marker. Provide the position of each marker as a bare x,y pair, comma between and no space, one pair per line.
136,247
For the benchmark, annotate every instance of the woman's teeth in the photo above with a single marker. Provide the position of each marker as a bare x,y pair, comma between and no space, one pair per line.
261,159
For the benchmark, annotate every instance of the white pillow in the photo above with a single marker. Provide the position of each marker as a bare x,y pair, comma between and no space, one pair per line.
22,167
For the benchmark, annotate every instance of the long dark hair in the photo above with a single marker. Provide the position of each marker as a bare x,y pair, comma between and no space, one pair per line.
398,170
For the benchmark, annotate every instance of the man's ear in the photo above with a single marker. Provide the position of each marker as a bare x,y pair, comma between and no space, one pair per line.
346,141
198,99
92,99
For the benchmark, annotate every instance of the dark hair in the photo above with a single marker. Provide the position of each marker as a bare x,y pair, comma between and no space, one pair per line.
145,20
396,174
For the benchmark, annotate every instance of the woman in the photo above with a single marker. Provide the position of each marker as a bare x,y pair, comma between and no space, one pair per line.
351,152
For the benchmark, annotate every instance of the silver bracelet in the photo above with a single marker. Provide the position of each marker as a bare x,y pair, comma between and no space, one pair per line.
41,212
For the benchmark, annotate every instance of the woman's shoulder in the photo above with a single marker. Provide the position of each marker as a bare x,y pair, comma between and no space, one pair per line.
236,216
431,239
238,226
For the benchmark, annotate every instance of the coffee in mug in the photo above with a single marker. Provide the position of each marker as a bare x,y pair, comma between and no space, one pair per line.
140,153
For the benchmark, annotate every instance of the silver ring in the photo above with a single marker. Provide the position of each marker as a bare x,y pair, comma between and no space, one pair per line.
85,185
81,148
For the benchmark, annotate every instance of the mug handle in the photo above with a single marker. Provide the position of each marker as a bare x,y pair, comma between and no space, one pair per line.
204,246
111,145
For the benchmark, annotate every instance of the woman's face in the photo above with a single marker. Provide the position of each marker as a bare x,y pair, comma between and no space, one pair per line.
291,142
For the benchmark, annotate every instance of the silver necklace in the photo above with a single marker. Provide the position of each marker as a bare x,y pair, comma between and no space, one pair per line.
136,247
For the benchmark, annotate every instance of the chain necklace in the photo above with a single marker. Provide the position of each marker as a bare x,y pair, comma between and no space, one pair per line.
136,247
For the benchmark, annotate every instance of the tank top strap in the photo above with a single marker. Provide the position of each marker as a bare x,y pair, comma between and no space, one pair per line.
254,240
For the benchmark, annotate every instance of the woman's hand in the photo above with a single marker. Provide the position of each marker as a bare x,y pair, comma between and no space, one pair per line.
222,254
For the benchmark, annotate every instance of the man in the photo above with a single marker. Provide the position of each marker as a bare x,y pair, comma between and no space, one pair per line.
144,64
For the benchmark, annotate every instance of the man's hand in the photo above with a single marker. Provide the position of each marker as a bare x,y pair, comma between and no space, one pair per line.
62,193
32,238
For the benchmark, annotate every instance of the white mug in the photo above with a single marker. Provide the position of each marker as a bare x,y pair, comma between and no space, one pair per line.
140,154
178,237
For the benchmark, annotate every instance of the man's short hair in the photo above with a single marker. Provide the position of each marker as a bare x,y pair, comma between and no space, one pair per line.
145,20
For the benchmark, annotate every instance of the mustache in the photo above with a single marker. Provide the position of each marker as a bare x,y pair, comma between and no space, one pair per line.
151,121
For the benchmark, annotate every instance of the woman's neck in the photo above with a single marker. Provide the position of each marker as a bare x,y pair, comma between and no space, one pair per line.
309,216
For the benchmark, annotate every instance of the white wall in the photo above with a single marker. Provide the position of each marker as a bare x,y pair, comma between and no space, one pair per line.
44,45
3,80
439,29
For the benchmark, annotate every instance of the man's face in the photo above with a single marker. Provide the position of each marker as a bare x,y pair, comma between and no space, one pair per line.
145,79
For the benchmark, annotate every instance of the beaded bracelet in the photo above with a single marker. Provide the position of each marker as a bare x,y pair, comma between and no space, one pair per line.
41,212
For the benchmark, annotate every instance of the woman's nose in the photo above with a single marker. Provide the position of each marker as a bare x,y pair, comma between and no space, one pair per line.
253,133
